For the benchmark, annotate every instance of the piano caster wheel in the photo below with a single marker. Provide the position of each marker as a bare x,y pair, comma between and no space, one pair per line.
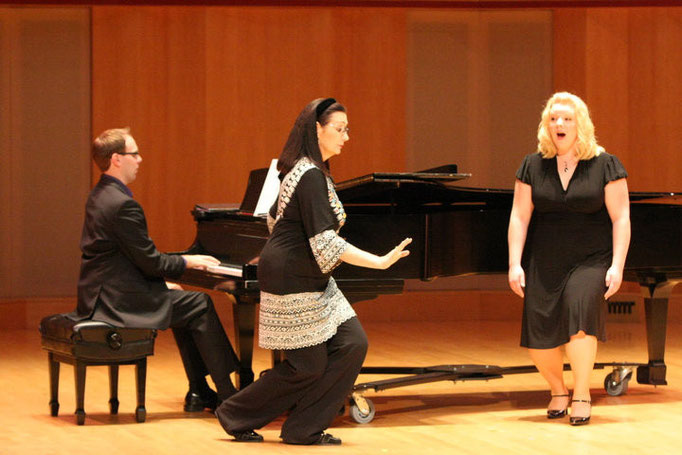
140,414
616,382
361,409
80,416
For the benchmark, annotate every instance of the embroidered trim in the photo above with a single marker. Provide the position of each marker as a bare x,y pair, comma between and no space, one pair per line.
336,204
327,248
289,184
300,320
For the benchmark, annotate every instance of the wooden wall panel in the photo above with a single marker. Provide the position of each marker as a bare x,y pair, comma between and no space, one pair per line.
211,93
476,80
45,129
607,37
569,50
655,104
149,74
6,180
625,63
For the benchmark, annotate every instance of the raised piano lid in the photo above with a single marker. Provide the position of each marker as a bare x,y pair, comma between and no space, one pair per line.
399,187
436,186
418,189
446,173
205,212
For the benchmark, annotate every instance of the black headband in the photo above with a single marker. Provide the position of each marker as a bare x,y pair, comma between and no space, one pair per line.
324,104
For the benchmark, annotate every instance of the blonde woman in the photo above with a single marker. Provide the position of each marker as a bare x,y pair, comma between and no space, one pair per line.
569,233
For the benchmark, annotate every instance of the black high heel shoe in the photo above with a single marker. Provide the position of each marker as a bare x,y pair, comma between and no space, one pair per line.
557,413
575,421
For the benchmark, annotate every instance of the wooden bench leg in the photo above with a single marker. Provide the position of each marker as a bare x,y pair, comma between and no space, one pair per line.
141,384
113,389
79,370
53,366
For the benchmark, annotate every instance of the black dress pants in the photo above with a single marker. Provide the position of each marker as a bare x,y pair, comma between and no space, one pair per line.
202,342
312,383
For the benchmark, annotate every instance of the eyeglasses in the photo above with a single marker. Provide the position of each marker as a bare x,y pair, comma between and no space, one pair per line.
341,129
128,153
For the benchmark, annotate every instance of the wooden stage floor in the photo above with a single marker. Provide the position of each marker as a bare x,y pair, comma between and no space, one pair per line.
498,416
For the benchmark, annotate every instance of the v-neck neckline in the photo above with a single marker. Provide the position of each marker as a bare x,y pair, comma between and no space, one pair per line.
558,175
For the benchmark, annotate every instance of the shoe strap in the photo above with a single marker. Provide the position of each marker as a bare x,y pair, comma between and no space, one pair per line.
582,401
559,396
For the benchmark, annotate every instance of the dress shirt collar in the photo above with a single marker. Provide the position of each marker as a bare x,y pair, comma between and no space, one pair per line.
109,178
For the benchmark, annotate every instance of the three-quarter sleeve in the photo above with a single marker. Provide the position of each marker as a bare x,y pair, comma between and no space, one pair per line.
524,172
613,169
319,221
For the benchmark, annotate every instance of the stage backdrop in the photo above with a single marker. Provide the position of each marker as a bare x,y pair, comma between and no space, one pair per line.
210,93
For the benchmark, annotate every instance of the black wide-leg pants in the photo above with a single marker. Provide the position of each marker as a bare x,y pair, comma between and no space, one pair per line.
312,383
202,342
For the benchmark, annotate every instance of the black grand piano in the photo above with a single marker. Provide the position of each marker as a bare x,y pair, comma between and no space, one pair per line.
456,231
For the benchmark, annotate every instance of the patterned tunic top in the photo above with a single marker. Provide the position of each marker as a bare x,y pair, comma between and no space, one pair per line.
301,305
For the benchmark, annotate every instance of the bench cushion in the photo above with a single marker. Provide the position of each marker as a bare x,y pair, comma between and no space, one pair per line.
95,340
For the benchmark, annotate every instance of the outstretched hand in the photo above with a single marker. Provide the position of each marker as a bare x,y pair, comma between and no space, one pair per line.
395,254
199,261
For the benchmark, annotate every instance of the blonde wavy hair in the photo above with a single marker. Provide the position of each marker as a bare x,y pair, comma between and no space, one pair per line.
586,142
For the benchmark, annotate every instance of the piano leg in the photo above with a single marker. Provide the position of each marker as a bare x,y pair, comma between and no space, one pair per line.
656,297
244,315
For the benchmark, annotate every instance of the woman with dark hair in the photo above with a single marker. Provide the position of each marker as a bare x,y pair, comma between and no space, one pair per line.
302,311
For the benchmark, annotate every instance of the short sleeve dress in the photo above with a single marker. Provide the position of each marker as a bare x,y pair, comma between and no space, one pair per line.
301,306
568,250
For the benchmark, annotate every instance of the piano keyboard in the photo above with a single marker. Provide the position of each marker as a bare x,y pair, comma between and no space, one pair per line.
225,269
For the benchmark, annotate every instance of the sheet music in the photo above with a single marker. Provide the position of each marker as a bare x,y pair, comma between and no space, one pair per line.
268,194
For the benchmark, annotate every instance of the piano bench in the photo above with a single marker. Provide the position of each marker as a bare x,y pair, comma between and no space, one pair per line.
88,343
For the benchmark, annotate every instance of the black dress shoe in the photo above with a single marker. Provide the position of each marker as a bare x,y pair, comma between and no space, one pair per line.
557,413
576,421
327,440
246,436
197,402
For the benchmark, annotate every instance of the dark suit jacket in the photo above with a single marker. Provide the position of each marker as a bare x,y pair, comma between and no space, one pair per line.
122,273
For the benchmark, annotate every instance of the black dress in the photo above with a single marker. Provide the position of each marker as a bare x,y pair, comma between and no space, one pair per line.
568,250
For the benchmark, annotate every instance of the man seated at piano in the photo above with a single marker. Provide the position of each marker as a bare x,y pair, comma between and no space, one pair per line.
302,311
122,276
569,233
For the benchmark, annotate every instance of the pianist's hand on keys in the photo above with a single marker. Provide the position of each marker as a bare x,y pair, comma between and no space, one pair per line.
199,261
